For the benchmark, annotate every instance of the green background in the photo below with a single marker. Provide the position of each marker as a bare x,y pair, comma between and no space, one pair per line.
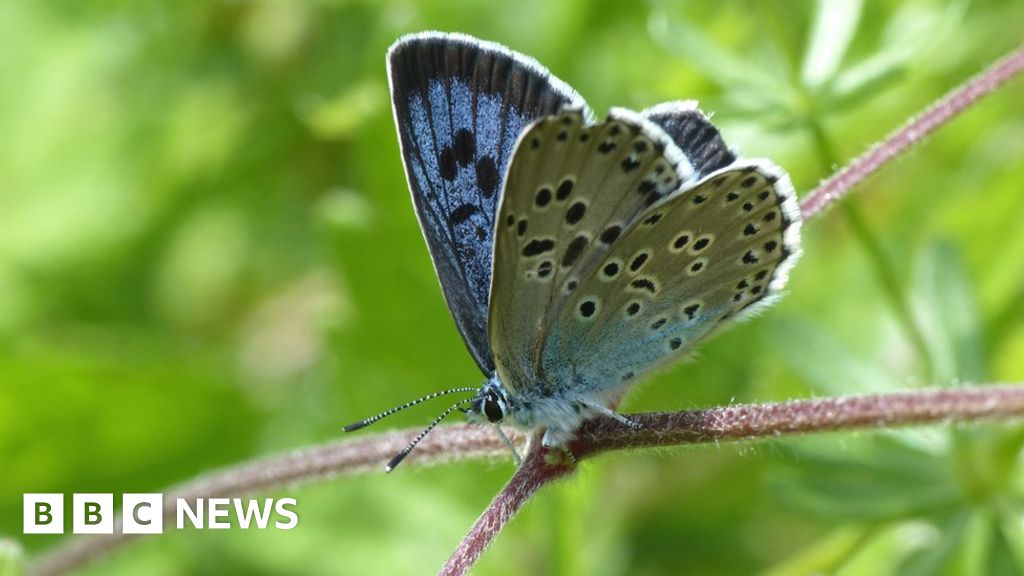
208,254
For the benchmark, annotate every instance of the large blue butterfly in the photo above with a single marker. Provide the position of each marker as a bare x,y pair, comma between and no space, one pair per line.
575,255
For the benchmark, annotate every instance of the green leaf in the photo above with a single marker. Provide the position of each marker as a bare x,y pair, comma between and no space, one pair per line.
834,26
877,478
717,63
826,363
947,311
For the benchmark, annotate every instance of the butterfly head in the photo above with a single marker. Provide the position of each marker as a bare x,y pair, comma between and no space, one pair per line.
491,403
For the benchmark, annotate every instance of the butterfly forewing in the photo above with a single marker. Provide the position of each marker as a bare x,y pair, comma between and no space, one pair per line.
690,264
460,105
572,189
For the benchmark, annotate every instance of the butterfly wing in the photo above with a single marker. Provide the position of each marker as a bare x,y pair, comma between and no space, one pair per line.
460,105
572,189
711,253
696,137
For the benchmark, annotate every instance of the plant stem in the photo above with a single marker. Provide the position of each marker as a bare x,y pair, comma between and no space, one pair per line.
600,435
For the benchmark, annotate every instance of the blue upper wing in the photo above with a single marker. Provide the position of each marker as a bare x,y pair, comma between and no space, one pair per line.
460,105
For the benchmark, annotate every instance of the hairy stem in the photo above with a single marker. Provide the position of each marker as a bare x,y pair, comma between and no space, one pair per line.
746,422
541,466
349,456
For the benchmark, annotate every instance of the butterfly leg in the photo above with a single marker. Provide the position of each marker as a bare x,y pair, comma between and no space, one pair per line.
551,441
511,446
602,409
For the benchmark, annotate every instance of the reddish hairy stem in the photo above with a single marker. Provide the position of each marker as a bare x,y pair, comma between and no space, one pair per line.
951,105
349,456
731,423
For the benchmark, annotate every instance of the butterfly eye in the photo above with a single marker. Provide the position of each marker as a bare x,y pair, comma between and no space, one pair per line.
492,409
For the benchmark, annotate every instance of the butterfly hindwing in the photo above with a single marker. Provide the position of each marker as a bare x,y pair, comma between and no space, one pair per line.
460,105
572,189
693,133
692,263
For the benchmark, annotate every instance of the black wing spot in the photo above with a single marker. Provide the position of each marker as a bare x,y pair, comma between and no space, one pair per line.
465,147
681,241
575,213
640,146
675,343
610,269
750,229
564,189
616,130
510,220
563,136
696,266
538,246
691,311
487,176
521,227
770,216
653,219
574,250
446,162
658,323
742,284
571,285
629,164
756,289
606,147
701,243
644,284
463,212
543,197
750,181
638,261
760,275
699,198
584,137
535,143
750,258
646,186
764,194
633,309
748,206
610,234
588,308
771,245
544,270
732,196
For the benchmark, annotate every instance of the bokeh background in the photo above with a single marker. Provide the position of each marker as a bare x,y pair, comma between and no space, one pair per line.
208,254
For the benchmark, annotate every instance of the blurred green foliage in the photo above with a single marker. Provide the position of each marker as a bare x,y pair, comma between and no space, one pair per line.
208,254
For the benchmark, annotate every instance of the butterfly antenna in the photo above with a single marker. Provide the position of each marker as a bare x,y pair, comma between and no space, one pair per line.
405,451
364,423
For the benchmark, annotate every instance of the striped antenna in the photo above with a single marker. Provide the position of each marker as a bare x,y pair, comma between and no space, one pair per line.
386,413
405,451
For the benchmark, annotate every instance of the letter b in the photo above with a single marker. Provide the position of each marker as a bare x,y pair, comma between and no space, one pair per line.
93,514
43,514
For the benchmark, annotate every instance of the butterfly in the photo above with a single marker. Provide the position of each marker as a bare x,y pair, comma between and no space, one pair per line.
576,255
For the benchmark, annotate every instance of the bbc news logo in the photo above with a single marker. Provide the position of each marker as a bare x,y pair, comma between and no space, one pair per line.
144,513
